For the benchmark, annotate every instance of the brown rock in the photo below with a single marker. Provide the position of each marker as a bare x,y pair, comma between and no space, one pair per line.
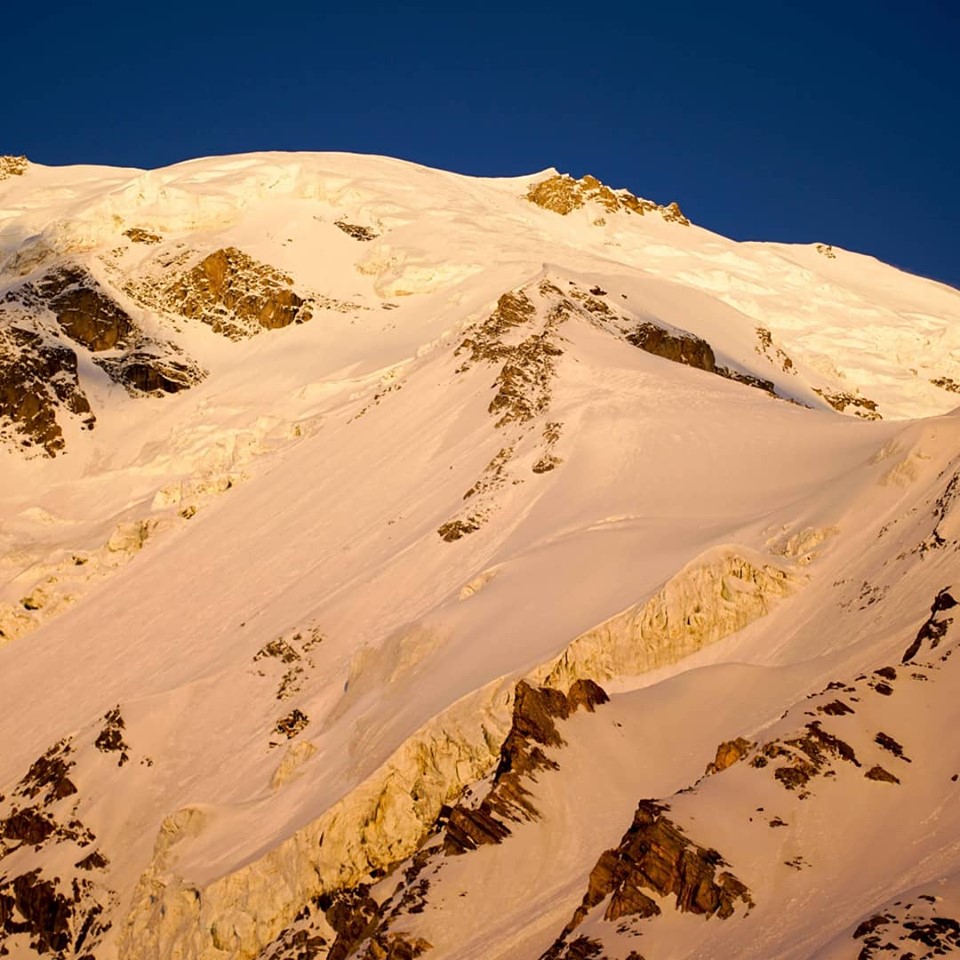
862,407
38,381
237,296
888,743
535,712
46,913
12,166
84,311
935,628
139,235
881,775
355,230
655,856
456,529
110,739
290,725
586,694
562,194
728,753
142,372
48,775
27,826
682,348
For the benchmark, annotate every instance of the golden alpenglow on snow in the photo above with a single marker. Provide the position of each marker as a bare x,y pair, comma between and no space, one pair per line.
401,564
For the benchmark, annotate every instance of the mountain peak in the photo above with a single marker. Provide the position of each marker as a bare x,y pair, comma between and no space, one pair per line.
334,486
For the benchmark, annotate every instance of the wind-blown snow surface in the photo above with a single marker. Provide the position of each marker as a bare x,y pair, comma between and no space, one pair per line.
275,620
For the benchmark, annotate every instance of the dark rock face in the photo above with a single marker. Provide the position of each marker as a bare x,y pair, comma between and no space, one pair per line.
110,739
457,529
946,383
936,626
353,914
237,296
881,775
37,380
355,918
85,313
682,348
807,755
562,194
38,367
888,743
355,230
535,712
142,372
42,913
915,930
748,379
656,856
367,930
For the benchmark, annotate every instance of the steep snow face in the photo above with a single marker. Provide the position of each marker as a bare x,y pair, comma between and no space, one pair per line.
309,460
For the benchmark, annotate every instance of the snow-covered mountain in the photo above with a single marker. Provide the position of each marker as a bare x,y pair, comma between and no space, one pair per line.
397,564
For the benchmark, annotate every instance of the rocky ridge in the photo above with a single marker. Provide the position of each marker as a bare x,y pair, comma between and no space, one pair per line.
12,166
563,194
430,773
62,912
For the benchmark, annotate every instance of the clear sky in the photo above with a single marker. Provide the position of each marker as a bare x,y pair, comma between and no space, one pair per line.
777,120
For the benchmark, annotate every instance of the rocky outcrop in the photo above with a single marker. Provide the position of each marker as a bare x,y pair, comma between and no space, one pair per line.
38,382
800,759
521,336
12,166
728,753
946,383
236,295
38,361
292,724
356,231
535,712
110,739
139,235
63,914
934,628
143,372
945,515
863,407
85,313
562,194
766,347
656,857
914,928
679,347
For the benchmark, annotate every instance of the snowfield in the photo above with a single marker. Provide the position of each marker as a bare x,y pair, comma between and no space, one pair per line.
395,563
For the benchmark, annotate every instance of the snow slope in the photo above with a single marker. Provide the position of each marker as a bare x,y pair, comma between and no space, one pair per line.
375,442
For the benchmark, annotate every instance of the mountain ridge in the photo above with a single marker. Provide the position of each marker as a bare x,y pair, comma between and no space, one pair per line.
279,617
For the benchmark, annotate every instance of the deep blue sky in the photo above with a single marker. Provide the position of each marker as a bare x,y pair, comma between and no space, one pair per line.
775,120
